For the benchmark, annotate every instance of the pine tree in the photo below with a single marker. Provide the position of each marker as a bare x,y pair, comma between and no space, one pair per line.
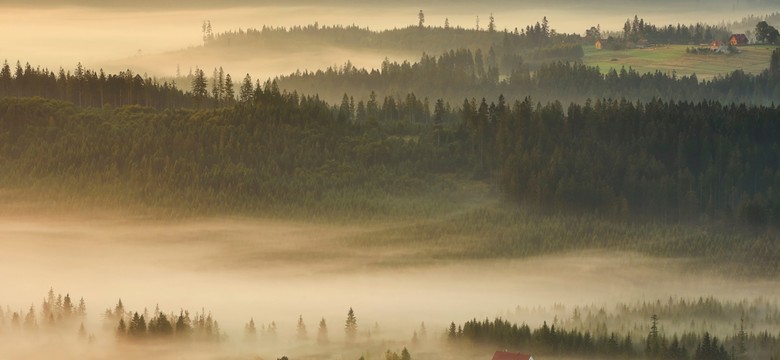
405,354
67,307
301,329
774,64
30,322
81,311
742,336
451,332
230,94
421,18
121,330
350,326
652,346
250,331
199,87
247,89
492,23
322,333
216,87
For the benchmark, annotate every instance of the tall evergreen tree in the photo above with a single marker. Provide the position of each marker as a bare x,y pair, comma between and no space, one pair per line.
230,93
301,333
322,333
247,90
350,326
199,87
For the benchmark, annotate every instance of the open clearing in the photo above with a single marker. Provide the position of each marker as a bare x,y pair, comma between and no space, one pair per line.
673,58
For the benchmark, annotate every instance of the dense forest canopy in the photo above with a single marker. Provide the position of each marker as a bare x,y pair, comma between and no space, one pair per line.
614,156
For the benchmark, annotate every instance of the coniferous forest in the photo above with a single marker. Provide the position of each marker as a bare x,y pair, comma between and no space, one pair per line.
494,194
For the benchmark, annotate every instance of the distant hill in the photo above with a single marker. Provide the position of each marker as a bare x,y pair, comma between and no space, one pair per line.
269,51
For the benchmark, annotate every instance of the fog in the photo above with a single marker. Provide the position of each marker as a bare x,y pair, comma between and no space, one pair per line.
146,38
271,270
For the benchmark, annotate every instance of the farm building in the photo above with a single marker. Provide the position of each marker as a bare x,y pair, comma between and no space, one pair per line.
715,45
503,355
738,40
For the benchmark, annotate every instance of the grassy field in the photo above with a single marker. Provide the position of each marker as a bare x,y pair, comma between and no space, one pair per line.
752,59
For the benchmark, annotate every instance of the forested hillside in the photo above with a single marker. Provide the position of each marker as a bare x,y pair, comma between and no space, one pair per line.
287,152
668,160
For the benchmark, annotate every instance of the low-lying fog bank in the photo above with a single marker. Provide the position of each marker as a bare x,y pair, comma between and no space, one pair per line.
276,271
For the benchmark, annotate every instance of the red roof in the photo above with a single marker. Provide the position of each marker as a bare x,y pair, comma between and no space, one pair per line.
741,38
503,355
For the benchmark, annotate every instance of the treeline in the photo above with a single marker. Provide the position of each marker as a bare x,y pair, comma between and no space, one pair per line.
56,314
545,340
419,39
748,23
460,74
90,88
447,76
637,29
130,326
554,341
682,315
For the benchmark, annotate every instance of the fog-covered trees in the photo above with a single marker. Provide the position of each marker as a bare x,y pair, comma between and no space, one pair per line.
350,326
161,326
300,330
322,333
56,314
250,331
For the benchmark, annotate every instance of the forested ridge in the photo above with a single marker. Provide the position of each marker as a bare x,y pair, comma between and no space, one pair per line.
418,39
462,73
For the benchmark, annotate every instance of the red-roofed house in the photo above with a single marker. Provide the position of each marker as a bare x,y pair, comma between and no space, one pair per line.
503,355
738,40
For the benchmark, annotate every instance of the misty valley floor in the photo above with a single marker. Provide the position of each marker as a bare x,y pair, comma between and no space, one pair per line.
277,270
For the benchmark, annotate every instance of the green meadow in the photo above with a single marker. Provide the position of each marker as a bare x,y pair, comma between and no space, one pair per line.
674,58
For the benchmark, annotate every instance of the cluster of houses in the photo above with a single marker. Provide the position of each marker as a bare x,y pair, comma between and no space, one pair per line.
718,46
715,45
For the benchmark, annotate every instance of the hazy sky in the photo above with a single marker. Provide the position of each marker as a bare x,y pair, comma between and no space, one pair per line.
54,33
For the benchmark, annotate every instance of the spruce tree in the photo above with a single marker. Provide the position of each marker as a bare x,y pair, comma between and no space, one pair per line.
301,329
250,331
350,326
322,333
247,89
199,87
